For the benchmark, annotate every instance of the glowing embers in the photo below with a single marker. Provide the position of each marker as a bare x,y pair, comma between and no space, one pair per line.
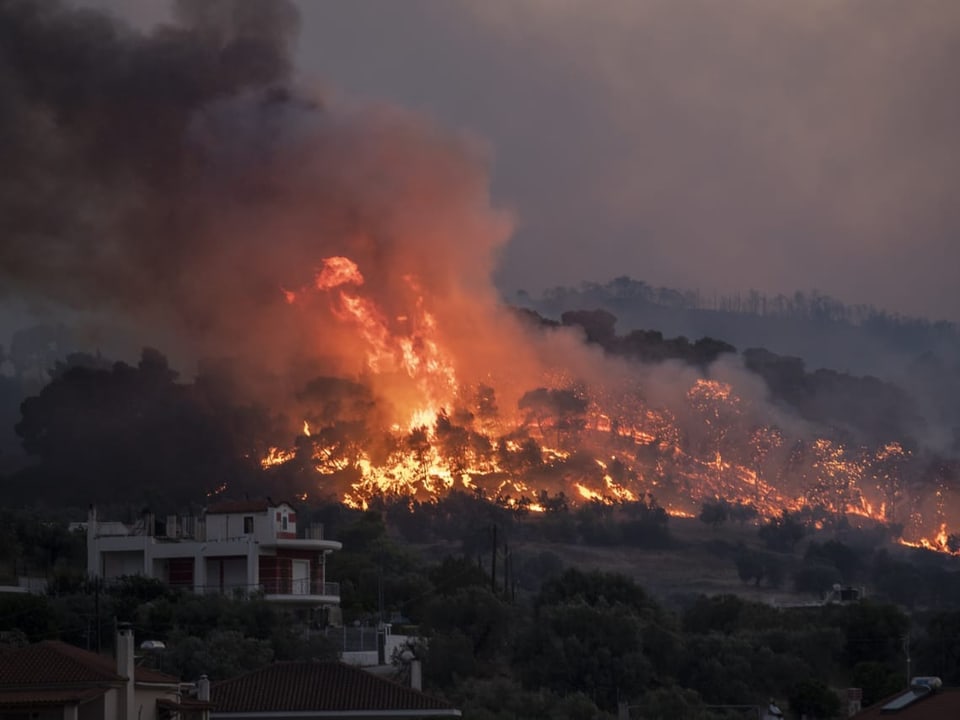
568,440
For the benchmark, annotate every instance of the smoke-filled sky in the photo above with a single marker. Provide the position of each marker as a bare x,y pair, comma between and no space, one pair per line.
697,144
710,145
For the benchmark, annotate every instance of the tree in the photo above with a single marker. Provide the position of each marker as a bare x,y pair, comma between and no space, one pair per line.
759,566
28,613
816,579
814,699
876,680
671,702
782,534
595,649
714,513
844,558
587,635
763,441
888,463
565,409
221,655
719,409
132,434
598,325
476,615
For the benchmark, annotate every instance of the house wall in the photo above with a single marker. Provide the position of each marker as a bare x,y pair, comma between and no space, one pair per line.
267,525
275,574
56,713
222,527
111,704
145,701
284,521
226,574
93,710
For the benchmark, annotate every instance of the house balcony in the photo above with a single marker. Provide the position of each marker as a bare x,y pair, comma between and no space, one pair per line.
303,592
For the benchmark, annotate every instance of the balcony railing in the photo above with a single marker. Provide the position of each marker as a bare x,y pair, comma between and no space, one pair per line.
285,586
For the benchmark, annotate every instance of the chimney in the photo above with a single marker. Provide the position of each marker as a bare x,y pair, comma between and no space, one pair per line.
416,675
203,689
854,701
125,669
93,557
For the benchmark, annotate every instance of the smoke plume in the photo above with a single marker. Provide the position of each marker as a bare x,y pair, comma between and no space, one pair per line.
180,180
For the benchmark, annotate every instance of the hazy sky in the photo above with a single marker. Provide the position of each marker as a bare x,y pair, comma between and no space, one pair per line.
776,145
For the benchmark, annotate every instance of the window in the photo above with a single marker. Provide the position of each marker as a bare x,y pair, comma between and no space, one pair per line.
248,525
284,522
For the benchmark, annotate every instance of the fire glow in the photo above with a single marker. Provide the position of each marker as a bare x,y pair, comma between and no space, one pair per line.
566,440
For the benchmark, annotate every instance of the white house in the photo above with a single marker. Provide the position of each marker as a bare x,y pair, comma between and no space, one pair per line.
234,547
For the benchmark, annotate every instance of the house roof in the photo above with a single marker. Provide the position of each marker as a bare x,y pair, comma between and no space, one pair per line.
241,506
31,698
320,687
52,662
944,703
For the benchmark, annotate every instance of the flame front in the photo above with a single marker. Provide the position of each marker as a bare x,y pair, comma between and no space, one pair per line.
604,443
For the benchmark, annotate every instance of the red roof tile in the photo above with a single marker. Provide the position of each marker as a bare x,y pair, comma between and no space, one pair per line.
55,663
318,687
941,704
29,698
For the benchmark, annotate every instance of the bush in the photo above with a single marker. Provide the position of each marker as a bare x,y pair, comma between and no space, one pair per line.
816,579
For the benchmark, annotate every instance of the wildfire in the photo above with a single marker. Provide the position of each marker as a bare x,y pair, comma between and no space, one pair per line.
337,271
940,542
276,456
589,444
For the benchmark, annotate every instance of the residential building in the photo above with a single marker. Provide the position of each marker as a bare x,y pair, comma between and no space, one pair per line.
236,547
320,691
925,699
52,680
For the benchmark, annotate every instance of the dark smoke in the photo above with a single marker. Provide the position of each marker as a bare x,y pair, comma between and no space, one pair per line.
104,179
180,181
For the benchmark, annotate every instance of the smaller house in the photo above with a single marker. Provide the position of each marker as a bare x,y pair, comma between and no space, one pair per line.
926,699
53,680
320,690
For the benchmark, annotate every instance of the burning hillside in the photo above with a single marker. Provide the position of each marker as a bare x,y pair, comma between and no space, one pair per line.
181,183
410,424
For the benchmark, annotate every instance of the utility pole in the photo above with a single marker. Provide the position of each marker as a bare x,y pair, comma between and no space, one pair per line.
493,562
506,570
96,606
906,650
380,594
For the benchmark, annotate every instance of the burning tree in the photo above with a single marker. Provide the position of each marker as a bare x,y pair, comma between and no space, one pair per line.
835,478
887,466
563,409
719,409
763,440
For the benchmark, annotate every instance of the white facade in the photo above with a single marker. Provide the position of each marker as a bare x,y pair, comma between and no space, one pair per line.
235,548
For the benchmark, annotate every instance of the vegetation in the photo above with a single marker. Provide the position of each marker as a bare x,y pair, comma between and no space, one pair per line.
510,627
536,640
